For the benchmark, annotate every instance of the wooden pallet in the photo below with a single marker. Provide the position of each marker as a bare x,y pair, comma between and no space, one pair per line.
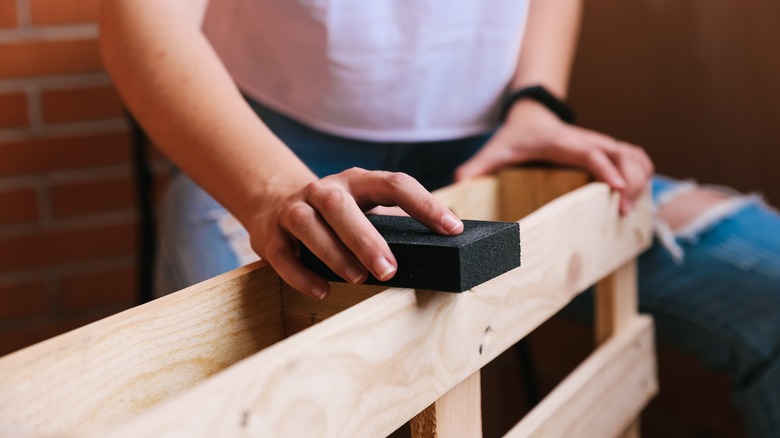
244,355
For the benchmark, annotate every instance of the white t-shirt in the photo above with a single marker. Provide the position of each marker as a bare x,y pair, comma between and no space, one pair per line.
377,70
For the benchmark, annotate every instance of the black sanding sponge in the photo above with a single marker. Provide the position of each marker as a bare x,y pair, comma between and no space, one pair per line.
427,260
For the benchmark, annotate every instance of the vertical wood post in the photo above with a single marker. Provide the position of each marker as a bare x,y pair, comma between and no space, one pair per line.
458,413
616,301
615,306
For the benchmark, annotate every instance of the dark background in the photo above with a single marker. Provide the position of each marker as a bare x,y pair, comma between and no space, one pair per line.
695,82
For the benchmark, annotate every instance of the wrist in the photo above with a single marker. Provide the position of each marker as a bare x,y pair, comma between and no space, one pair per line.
541,97
530,112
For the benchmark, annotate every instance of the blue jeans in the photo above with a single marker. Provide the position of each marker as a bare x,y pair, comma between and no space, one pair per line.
714,292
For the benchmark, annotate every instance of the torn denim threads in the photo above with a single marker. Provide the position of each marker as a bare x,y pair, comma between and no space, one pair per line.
666,190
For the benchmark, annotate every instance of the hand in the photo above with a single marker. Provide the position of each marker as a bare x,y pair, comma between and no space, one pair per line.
327,216
533,133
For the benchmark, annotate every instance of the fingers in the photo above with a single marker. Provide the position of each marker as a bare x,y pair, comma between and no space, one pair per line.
340,210
389,188
281,255
599,163
633,163
343,235
625,167
307,226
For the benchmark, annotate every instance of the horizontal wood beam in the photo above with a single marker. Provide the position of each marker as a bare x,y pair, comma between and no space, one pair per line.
106,372
604,394
368,369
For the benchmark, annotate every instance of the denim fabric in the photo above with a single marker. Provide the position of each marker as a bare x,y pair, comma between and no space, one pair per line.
721,303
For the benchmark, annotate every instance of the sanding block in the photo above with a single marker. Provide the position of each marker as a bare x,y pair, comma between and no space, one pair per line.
427,260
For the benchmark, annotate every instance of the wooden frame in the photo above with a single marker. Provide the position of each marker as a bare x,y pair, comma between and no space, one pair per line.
242,354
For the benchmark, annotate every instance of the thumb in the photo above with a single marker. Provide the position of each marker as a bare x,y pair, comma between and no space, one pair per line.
482,163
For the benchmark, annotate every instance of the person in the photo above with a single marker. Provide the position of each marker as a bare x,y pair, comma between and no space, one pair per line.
298,117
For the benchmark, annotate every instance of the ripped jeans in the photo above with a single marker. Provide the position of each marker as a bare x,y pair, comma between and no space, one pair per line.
713,289
715,293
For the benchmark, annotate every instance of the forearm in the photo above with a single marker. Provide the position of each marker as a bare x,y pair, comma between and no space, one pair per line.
549,44
178,89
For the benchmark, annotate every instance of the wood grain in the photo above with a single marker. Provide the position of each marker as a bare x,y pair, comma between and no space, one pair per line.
456,414
476,199
113,369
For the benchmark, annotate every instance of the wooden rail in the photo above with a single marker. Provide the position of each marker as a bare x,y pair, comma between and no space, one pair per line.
244,355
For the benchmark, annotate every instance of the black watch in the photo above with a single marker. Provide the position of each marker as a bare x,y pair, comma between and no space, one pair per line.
541,95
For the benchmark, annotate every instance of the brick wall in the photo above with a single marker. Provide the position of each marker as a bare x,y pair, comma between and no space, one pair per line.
67,221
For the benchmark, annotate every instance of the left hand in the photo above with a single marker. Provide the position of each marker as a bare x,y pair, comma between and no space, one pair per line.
532,133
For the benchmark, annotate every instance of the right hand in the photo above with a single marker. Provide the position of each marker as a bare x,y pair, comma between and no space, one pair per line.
327,216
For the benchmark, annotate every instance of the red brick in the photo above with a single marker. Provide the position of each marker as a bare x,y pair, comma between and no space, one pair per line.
39,155
24,300
99,290
13,339
13,110
7,13
63,12
97,196
60,106
48,57
18,206
56,247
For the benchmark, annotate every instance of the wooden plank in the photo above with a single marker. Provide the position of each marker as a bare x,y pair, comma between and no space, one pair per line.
476,199
456,414
302,311
615,307
523,190
113,369
368,369
604,394
616,301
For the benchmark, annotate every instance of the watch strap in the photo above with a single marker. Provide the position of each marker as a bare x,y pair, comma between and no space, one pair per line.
541,95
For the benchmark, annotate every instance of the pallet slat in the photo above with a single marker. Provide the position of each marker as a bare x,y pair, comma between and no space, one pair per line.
115,368
604,394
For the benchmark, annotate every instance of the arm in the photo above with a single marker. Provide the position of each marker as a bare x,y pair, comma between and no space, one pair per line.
531,132
173,82
548,45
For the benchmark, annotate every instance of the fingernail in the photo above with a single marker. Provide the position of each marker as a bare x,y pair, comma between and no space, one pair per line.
319,293
355,275
451,224
383,268
619,183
